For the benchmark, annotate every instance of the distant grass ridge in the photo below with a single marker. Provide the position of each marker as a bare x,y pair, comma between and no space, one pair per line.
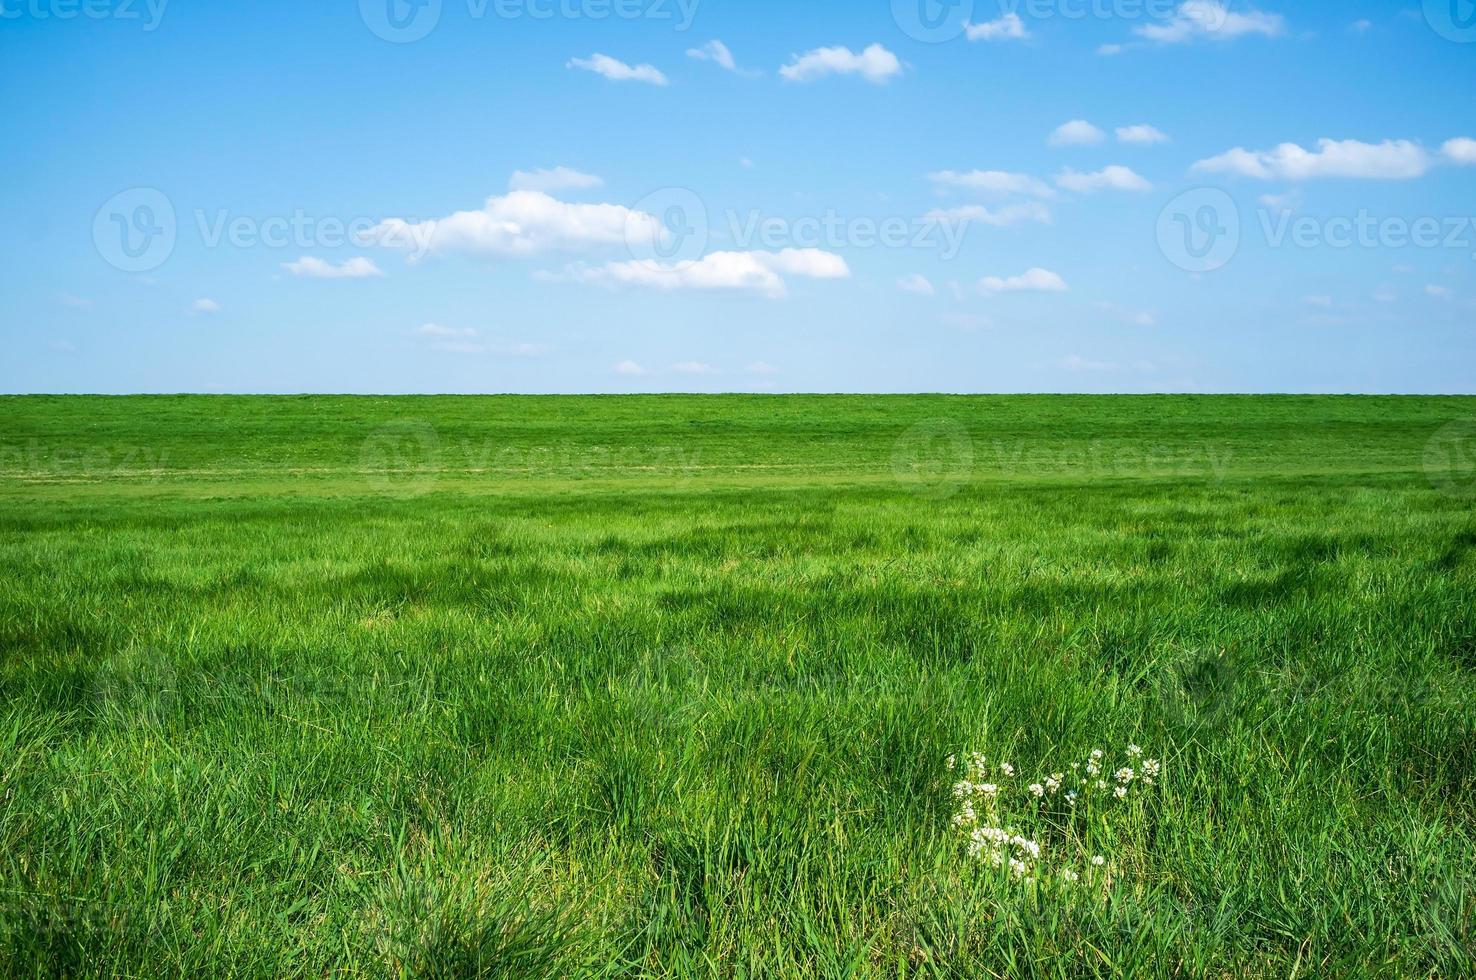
665,686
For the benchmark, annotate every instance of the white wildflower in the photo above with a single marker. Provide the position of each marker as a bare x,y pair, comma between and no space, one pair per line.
1028,846
1017,819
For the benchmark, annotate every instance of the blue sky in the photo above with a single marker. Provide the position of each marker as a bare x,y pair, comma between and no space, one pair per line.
557,196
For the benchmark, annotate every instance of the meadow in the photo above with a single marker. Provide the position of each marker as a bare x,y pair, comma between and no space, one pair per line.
668,686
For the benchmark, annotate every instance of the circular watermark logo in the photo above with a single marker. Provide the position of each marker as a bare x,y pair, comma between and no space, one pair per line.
136,688
934,458
932,21
669,225
400,21
1454,20
135,230
402,458
1199,231
1450,459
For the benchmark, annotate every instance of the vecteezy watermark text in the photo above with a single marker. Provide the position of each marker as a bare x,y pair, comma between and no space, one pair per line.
939,21
1367,230
409,457
687,229
1202,230
406,21
35,460
832,230
149,13
138,229
936,458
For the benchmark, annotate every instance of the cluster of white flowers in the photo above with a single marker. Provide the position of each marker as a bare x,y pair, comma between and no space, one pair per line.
1000,848
1004,822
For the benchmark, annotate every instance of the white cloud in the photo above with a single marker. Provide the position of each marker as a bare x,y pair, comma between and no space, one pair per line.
1075,362
811,263
717,52
1008,28
315,268
759,272
916,283
1114,178
1389,160
1033,281
1142,134
1359,26
1108,50
714,51
1077,132
875,64
629,367
1282,202
762,367
1211,20
465,340
693,367
1439,292
618,71
1385,295
992,182
1322,302
74,302
1138,318
557,179
1001,217
1461,151
521,223
205,306
440,332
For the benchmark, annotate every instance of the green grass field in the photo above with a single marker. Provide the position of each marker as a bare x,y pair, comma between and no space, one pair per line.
665,686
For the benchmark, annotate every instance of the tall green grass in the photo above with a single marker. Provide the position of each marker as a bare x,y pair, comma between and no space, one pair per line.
664,686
